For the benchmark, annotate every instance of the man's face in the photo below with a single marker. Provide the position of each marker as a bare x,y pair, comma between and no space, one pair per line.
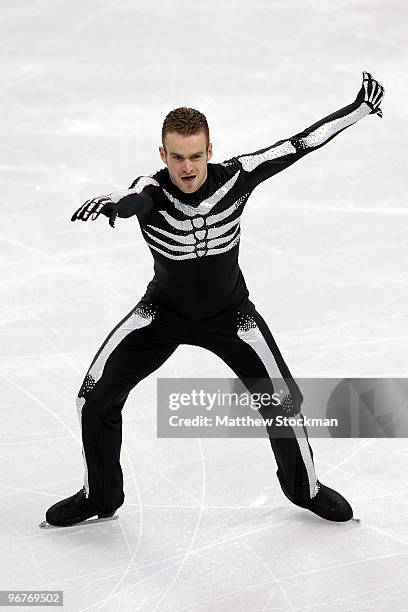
186,156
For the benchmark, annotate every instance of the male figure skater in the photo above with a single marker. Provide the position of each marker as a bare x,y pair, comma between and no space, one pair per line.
189,213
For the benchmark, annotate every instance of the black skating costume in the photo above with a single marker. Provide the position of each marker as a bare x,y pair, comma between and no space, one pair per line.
198,296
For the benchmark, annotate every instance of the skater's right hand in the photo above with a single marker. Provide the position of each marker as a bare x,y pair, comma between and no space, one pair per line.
94,207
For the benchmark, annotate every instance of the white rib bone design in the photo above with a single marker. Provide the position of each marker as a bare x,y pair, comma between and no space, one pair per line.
212,232
200,238
188,248
206,205
199,252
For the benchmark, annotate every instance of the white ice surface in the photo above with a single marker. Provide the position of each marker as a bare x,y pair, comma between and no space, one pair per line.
205,527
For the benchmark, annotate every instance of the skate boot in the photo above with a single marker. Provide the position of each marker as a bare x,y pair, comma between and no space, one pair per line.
329,504
73,510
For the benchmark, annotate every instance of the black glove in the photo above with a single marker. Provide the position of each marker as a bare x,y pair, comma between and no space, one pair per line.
96,206
372,93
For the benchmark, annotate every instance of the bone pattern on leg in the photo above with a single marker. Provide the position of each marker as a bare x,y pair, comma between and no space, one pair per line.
249,332
138,318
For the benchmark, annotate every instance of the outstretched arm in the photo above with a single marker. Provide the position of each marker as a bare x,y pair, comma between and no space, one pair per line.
260,165
133,201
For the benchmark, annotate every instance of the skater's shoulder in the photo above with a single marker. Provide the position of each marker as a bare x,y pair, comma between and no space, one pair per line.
156,179
229,167
161,176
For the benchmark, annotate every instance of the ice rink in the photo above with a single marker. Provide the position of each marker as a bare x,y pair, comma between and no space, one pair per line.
205,526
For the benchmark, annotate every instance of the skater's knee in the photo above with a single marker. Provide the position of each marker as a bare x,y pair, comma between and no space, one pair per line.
87,386
290,405
287,406
100,404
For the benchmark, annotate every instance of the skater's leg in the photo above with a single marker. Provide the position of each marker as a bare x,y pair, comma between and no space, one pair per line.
293,454
246,345
131,351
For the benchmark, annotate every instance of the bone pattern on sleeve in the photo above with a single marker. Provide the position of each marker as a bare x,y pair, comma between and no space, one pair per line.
136,200
267,162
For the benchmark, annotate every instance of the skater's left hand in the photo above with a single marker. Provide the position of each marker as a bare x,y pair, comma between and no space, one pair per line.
372,93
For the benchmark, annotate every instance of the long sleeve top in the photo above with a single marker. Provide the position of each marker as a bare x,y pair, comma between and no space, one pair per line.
194,237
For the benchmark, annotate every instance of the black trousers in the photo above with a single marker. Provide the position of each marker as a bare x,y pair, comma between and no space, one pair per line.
141,343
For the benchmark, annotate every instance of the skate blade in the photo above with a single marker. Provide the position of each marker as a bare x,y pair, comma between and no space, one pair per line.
45,525
356,519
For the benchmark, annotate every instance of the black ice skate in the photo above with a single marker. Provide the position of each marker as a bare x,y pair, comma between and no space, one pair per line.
73,510
329,505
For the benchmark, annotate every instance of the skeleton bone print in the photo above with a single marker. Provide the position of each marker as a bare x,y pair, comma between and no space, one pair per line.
194,239
199,233
182,229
